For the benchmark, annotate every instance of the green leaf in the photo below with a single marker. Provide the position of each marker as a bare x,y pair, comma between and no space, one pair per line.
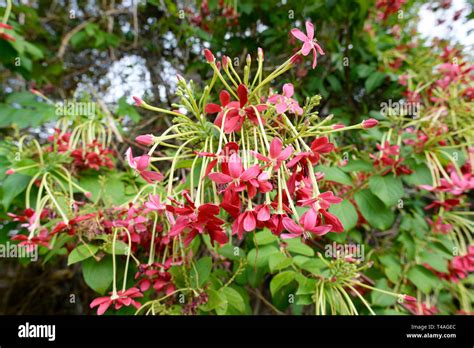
233,298
374,81
278,261
334,83
423,279
306,286
265,237
334,174
260,258
357,166
364,70
82,252
231,252
215,299
393,269
114,191
12,186
121,248
201,273
381,299
98,275
374,210
421,175
347,213
280,280
435,260
296,246
125,109
388,188
409,243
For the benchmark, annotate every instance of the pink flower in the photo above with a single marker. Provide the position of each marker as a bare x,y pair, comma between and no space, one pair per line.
146,140
325,200
308,223
140,164
122,298
240,179
439,227
277,154
154,204
247,221
370,123
309,42
284,102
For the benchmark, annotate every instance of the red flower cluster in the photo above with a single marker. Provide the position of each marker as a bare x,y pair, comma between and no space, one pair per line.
94,156
389,160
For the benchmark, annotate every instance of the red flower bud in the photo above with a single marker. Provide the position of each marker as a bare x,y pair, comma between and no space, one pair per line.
6,26
138,101
10,171
409,298
209,56
225,62
370,123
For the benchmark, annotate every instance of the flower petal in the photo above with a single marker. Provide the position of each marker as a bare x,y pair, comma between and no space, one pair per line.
275,147
299,34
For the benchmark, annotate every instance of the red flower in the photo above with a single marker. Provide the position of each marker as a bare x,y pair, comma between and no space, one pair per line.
151,276
70,226
122,298
318,147
42,238
235,113
247,221
200,220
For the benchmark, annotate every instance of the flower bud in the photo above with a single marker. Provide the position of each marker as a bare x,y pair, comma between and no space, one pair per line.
225,62
6,26
260,54
138,101
88,194
209,56
409,298
248,59
370,123
146,139
10,171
